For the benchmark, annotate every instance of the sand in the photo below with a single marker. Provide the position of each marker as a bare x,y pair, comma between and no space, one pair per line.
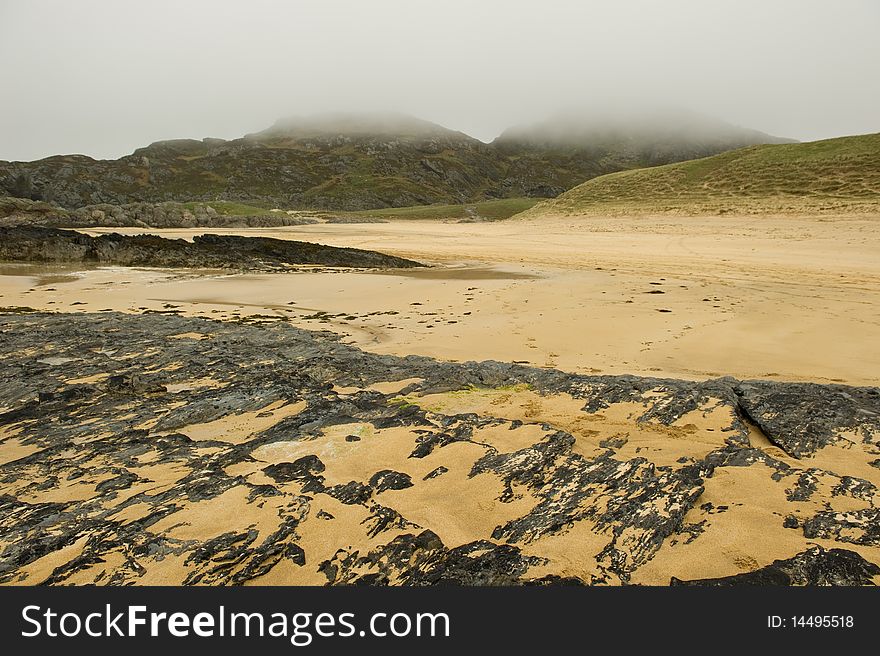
695,298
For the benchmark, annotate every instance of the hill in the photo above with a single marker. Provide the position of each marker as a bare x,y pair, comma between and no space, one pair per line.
353,162
832,176
571,147
344,163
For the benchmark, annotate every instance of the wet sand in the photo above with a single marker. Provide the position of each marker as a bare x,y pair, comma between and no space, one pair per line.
695,298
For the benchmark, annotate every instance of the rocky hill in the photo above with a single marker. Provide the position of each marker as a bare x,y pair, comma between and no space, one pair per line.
343,164
363,161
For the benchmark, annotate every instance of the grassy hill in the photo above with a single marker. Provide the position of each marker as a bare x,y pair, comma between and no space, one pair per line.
831,176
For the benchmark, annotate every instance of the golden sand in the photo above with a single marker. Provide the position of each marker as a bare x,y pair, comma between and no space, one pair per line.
777,298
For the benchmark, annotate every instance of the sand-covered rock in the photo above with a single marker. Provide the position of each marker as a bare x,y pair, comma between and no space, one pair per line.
816,566
162,449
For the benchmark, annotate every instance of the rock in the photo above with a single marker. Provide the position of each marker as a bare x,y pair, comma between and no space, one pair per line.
142,487
39,244
389,480
816,566
422,559
20,211
816,414
434,473
856,526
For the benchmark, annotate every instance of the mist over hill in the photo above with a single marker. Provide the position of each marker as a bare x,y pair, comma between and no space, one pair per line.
358,161
351,124
577,145
649,137
831,176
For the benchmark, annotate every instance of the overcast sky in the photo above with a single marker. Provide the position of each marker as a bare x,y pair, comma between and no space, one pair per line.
103,77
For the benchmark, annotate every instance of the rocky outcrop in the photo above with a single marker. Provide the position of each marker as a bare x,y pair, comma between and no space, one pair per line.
139,449
340,171
817,413
816,566
22,211
38,244
423,559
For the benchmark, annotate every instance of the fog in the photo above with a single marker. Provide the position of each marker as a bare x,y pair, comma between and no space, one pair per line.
104,77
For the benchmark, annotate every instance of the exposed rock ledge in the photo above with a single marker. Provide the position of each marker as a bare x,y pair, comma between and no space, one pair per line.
162,449
23,211
39,244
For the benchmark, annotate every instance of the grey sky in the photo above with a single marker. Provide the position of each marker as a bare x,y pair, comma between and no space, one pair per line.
102,77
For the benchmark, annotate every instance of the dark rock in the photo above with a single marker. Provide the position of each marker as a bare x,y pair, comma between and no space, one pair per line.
422,559
856,526
83,435
434,473
352,492
302,469
39,244
814,567
390,480
120,482
801,418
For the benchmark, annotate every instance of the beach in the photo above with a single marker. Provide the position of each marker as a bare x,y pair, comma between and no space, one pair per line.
695,298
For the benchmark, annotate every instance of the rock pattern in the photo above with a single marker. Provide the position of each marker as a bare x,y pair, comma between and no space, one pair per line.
816,414
816,566
145,449
39,244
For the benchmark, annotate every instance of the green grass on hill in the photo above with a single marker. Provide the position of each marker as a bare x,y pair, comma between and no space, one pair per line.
490,209
822,177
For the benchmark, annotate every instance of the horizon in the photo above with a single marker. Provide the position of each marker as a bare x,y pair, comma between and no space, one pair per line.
106,78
